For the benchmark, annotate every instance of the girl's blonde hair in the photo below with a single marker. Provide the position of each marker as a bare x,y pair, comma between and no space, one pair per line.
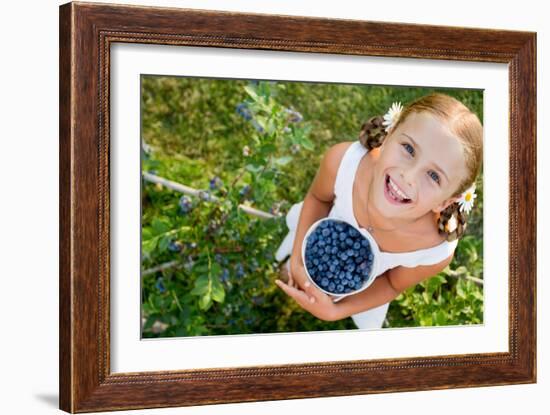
462,123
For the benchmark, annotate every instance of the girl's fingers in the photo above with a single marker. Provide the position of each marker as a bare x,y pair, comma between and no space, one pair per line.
312,291
290,279
298,295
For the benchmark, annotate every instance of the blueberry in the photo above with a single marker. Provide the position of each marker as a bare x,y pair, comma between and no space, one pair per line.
244,191
324,282
240,269
160,285
350,253
185,204
339,288
175,246
342,236
243,111
365,243
331,286
325,232
215,183
225,275
356,245
349,242
343,256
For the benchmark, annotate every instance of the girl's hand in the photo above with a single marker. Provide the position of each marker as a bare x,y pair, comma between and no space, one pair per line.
313,300
297,276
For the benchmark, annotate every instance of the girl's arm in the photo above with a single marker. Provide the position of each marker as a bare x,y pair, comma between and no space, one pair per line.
317,205
386,287
323,307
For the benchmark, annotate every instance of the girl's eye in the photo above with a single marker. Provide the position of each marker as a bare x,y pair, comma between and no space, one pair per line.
434,176
408,148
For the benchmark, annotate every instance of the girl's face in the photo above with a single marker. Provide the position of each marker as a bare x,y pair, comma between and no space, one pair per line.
420,165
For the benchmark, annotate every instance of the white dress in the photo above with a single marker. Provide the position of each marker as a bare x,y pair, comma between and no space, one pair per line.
343,209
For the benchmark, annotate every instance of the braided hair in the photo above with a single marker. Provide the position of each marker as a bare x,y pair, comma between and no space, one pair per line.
373,133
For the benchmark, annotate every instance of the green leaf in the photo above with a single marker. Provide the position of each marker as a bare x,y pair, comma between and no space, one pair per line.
281,161
218,292
201,285
307,144
460,289
163,243
146,233
268,148
250,91
440,318
159,226
150,245
205,302
426,297
215,270
252,168
200,268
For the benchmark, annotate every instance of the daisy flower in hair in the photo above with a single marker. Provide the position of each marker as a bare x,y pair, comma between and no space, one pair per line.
466,200
391,117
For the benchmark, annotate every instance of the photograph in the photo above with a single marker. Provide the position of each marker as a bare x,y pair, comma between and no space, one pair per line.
273,206
262,207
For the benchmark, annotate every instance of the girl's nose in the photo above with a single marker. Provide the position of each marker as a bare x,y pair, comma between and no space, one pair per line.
408,178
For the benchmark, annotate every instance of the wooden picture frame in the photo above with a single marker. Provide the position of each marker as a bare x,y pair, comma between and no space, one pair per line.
86,33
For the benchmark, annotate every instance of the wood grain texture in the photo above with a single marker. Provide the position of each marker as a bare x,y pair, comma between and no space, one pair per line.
86,33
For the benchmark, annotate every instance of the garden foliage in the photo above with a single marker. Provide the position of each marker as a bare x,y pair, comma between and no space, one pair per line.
259,144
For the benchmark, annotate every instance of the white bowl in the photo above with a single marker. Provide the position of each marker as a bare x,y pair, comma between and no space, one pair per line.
373,248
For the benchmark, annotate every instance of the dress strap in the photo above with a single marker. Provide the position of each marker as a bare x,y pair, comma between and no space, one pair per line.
427,256
343,186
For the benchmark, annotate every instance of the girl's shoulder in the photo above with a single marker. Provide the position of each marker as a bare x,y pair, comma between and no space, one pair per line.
334,154
323,183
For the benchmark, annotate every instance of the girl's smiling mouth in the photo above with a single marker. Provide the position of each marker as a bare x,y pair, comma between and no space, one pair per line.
393,193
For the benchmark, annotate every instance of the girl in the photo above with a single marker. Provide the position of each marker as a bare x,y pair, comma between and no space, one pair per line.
409,181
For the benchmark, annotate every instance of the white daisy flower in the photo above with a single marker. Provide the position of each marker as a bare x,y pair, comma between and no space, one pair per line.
466,200
393,114
451,224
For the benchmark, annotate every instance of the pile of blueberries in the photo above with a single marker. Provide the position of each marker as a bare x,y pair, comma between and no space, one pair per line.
337,257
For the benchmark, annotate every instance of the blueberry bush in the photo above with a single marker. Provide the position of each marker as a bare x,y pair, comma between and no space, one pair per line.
208,266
